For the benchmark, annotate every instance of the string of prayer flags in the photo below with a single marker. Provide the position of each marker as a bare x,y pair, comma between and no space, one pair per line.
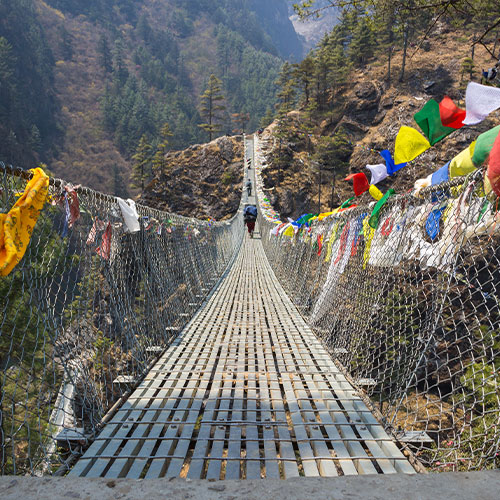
375,216
484,144
451,115
375,192
16,227
480,101
429,120
379,172
493,171
462,163
391,166
360,183
410,143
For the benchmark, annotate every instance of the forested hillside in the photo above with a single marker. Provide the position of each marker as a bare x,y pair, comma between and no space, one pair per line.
83,81
347,99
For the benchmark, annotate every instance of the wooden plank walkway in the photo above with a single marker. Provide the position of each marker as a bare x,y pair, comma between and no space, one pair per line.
246,391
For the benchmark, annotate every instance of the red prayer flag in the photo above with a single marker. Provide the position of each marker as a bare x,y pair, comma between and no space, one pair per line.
360,183
104,250
493,172
343,243
451,115
320,243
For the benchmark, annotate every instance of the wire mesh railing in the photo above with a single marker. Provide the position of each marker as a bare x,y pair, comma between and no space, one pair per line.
410,310
88,310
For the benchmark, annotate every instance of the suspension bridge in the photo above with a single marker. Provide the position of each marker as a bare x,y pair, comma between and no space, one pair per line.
189,350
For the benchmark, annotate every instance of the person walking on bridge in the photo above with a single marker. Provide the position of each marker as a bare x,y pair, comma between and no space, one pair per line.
249,187
250,216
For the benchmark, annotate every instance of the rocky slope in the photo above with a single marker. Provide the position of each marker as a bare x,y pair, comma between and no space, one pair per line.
371,115
202,181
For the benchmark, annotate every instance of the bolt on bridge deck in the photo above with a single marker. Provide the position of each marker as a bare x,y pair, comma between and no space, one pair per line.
246,391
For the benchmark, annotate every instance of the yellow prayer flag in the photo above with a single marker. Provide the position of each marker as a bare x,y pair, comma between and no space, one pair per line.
375,192
410,143
324,215
462,163
369,234
16,227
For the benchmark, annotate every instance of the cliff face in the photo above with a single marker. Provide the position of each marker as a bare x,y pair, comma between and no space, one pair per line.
202,181
274,19
313,29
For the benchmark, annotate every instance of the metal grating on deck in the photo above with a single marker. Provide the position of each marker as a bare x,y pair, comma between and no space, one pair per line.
246,391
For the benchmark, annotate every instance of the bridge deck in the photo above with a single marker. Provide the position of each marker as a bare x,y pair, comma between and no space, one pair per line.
246,391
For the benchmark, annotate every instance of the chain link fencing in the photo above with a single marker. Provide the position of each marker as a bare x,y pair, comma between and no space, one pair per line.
410,312
88,311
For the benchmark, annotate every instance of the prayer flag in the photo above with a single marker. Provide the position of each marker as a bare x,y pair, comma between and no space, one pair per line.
462,163
429,120
451,115
376,193
16,227
104,250
360,183
480,101
375,216
379,172
493,172
410,143
389,162
320,243
440,175
484,144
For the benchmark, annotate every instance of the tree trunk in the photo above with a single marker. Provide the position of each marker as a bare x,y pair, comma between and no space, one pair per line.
405,47
333,191
319,189
210,119
472,58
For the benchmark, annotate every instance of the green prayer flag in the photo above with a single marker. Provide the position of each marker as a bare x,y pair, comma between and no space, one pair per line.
375,216
429,120
484,145
347,203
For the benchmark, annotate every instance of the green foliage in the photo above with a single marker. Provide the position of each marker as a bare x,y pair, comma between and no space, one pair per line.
227,178
158,161
24,343
26,83
142,163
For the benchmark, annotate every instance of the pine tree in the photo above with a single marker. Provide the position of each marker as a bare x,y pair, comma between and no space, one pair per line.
286,88
104,54
119,67
304,75
35,139
161,150
142,163
210,109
